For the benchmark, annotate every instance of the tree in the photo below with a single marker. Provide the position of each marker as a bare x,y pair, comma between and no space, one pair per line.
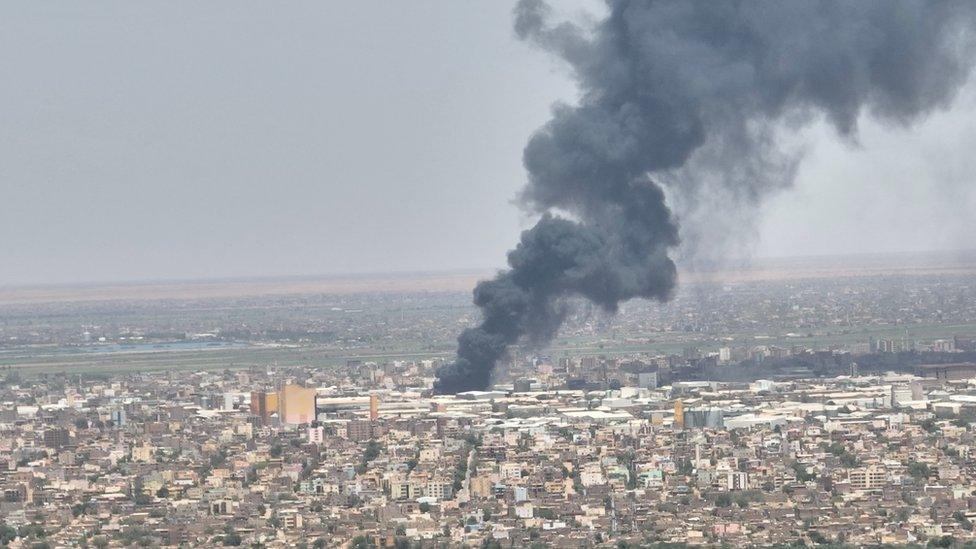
802,474
742,499
361,542
232,538
424,507
963,520
372,451
7,533
849,460
919,471
218,459
818,538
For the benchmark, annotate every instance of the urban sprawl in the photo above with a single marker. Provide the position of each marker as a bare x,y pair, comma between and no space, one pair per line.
826,412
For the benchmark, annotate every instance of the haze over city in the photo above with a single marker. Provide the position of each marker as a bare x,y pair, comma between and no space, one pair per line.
143,142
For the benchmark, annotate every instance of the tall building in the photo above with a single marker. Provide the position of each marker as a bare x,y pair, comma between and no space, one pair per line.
711,418
118,417
374,407
359,430
738,480
316,435
56,438
296,405
648,380
900,394
264,404
230,401
724,355
679,413
868,478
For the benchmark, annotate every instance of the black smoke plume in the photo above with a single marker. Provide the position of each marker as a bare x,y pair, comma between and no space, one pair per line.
690,96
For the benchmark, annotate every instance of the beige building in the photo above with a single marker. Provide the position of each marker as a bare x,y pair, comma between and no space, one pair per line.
867,478
296,405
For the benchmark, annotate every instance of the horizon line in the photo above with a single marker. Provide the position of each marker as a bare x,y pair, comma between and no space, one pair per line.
705,266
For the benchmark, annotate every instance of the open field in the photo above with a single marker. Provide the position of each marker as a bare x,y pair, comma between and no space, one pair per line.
256,356
323,322
35,361
676,343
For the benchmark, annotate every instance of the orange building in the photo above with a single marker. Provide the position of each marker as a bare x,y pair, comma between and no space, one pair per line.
374,407
296,405
263,404
679,413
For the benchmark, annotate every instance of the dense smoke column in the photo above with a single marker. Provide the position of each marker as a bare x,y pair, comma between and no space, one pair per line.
557,258
680,93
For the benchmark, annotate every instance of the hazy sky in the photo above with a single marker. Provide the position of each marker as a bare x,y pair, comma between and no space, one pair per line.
156,140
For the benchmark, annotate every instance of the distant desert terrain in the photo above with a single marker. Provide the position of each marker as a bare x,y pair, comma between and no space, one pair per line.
842,266
757,270
236,288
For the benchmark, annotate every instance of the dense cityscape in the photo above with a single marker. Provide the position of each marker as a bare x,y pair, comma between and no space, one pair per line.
814,410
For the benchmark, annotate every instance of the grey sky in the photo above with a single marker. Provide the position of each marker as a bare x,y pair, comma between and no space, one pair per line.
151,140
